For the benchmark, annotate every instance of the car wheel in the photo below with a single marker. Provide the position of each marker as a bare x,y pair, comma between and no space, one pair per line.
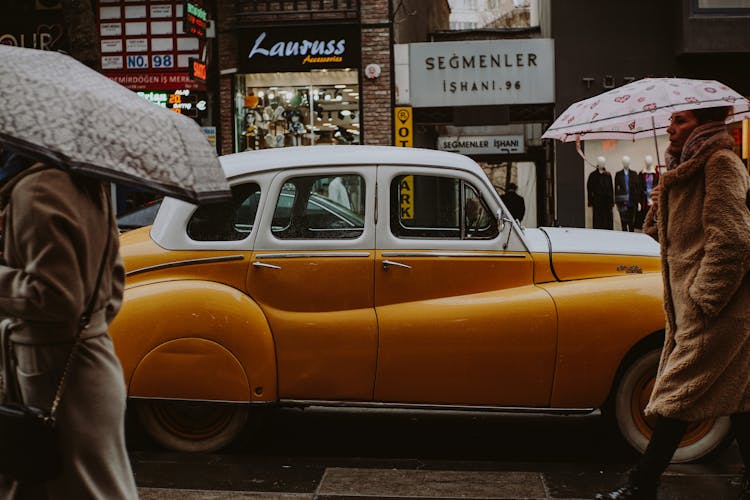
633,392
191,426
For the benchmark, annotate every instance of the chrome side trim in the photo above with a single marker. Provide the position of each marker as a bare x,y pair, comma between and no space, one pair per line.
432,407
310,255
208,401
189,262
455,254
297,403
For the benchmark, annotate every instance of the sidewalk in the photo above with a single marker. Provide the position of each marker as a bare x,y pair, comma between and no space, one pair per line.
337,483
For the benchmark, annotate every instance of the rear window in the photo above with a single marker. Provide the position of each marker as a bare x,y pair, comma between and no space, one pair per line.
226,221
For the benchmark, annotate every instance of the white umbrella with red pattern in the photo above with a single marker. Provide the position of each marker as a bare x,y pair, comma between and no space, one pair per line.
642,109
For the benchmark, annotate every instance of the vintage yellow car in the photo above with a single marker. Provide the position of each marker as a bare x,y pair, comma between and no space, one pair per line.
369,276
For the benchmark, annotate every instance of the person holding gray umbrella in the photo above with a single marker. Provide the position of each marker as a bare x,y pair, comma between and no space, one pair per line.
60,255
701,218
65,133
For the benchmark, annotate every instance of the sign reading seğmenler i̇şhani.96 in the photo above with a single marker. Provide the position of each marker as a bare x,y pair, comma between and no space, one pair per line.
483,72
299,49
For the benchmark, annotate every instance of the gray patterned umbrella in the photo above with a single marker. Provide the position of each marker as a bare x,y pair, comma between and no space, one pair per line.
54,108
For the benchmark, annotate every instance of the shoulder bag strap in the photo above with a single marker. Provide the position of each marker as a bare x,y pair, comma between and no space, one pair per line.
85,317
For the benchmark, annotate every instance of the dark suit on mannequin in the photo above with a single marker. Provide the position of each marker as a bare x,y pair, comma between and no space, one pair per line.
601,195
649,179
627,195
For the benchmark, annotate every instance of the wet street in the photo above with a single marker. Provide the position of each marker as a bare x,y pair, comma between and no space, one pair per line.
324,454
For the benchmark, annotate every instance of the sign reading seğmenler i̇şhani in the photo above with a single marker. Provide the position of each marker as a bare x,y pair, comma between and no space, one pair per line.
483,72
299,48
482,144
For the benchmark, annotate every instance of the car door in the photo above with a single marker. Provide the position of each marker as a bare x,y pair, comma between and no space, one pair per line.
460,320
312,274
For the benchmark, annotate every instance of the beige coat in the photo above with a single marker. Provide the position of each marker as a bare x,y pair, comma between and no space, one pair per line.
703,225
49,274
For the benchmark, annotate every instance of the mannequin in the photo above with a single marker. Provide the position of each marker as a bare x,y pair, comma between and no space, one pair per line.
601,195
649,179
627,195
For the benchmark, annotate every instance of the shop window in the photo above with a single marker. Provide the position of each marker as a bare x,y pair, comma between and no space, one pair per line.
425,206
275,116
226,221
320,207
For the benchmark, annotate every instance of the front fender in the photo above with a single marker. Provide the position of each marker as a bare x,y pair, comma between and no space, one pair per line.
193,339
599,322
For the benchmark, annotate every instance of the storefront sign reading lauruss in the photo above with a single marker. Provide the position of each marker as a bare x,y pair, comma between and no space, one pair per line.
483,72
299,48
482,144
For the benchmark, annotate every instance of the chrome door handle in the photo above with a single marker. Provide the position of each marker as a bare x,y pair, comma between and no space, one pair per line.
388,263
263,264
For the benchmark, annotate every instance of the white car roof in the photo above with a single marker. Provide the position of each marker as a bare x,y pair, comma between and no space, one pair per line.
333,156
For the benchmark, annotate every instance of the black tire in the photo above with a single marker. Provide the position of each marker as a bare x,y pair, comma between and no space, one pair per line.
701,441
191,426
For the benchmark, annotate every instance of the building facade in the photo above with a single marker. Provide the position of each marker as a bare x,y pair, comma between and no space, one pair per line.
298,73
602,45
486,89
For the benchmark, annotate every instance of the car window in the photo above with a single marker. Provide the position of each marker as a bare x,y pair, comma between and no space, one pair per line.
478,219
426,206
226,221
139,217
320,207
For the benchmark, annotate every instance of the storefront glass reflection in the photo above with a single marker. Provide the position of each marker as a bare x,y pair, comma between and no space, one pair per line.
277,115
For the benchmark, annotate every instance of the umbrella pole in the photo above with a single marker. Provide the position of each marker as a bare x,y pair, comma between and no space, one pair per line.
656,143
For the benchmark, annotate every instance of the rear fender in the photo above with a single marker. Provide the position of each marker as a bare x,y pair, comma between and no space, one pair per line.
192,339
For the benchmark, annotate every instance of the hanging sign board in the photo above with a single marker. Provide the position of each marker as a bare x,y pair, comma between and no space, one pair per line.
403,127
196,19
482,144
189,103
197,69
482,72
298,48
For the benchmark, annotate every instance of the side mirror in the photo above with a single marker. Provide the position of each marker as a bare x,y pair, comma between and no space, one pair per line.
502,219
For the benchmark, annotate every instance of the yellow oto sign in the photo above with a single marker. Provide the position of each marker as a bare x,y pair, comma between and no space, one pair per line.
403,130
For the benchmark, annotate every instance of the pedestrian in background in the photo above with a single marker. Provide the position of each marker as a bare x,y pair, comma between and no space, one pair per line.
701,219
57,227
514,202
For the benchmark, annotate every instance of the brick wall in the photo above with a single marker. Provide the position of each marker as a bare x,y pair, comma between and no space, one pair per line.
227,41
377,101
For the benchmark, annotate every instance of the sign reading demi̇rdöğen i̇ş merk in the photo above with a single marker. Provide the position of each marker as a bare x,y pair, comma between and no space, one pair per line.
483,72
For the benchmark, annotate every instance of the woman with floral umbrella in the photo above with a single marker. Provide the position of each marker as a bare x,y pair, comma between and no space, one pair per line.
701,218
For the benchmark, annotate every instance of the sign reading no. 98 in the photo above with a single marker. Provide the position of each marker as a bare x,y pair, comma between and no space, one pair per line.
162,61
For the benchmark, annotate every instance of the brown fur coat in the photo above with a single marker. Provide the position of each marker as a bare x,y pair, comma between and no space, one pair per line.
703,224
